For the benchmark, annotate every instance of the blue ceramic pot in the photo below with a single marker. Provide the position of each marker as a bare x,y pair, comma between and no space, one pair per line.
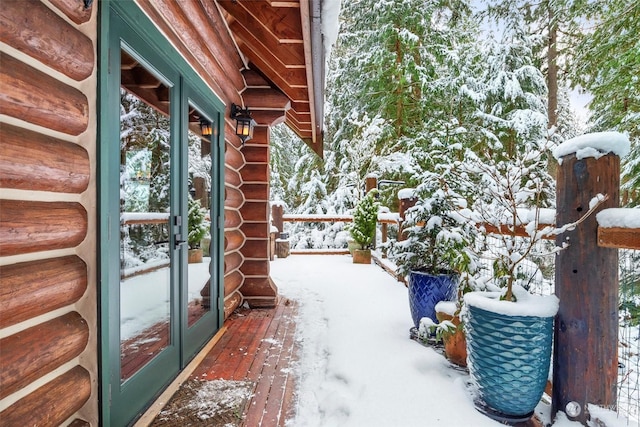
426,290
508,359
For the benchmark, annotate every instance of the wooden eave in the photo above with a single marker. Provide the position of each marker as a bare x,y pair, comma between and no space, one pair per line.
281,40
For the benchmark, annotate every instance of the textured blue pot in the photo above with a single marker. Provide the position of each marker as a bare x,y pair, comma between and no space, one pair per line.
508,359
426,290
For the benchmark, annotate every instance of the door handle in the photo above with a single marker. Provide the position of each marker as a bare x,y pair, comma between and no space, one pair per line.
179,242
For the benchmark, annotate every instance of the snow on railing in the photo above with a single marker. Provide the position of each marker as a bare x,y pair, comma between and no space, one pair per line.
619,228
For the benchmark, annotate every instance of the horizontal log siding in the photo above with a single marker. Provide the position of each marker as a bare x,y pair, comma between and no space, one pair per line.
31,95
232,261
36,351
53,403
48,79
33,28
30,289
234,198
73,9
257,289
32,161
27,226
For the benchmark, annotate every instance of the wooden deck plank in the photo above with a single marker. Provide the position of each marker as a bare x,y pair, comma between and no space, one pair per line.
266,405
257,346
274,405
252,350
266,344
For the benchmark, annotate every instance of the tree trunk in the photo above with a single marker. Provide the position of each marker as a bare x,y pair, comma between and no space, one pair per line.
552,72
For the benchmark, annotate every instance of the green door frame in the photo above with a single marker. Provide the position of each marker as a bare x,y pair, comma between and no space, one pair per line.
122,23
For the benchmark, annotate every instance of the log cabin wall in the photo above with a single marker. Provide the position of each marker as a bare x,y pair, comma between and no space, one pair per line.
199,32
48,193
48,267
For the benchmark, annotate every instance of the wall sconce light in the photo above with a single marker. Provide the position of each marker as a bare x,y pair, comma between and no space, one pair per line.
205,127
244,122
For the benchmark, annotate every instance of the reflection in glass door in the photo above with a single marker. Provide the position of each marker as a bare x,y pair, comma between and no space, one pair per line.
145,227
161,153
199,216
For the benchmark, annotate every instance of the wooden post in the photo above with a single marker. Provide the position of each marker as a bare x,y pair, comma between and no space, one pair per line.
370,183
405,203
585,359
277,211
384,238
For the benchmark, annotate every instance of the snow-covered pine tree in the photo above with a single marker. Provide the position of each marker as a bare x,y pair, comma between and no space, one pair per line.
365,219
608,66
198,226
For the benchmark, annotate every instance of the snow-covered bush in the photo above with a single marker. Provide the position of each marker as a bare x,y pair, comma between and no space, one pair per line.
439,238
198,227
365,219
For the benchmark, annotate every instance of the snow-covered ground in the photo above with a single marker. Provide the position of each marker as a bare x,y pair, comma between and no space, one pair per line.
358,366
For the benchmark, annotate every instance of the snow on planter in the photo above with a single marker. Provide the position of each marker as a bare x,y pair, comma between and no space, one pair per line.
594,145
527,305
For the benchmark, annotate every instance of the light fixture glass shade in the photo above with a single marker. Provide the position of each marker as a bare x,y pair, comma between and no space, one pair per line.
244,128
205,128
244,122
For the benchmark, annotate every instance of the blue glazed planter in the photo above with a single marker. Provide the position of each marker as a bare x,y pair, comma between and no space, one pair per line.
426,290
508,359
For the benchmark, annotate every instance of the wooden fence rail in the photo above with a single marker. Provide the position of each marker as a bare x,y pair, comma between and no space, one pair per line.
608,237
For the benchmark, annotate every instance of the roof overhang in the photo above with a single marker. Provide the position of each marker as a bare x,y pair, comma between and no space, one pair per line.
281,40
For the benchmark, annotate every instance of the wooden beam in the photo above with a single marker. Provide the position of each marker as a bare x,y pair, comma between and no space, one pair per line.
621,238
296,93
301,106
287,55
585,350
265,99
299,117
268,117
277,23
210,34
281,3
254,79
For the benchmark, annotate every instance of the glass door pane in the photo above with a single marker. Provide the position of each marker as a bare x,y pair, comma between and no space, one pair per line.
199,216
145,226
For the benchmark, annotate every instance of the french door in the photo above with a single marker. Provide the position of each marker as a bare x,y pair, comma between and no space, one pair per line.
161,200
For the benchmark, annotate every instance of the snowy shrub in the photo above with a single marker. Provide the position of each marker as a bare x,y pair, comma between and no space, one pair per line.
365,219
198,227
439,233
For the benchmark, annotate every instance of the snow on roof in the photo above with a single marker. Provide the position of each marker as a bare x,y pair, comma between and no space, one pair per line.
330,24
594,145
619,217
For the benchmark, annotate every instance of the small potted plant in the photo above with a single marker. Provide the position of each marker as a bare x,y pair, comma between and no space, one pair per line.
437,248
363,227
198,229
